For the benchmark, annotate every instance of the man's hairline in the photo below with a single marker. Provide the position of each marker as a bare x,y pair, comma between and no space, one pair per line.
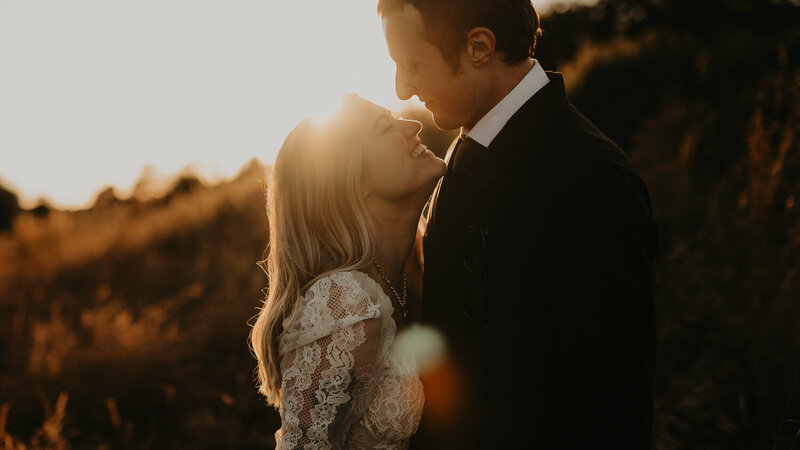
398,7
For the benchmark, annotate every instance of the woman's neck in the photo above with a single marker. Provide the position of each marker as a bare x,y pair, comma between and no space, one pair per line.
396,227
395,238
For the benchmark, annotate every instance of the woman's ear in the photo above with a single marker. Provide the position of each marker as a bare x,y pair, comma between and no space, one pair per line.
480,46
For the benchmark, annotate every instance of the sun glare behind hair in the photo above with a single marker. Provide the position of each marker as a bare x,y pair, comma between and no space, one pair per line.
99,90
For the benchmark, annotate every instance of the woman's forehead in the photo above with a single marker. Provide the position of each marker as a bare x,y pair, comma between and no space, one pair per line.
368,108
369,116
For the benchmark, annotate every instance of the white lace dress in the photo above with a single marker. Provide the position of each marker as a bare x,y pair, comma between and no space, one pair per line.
344,385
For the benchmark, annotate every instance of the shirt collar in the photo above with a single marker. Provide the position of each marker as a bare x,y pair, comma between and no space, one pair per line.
490,124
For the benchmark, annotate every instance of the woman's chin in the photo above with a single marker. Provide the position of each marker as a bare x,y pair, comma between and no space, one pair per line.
426,190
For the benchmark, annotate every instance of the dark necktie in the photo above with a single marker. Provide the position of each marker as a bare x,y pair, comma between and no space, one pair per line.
431,207
456,148
465,153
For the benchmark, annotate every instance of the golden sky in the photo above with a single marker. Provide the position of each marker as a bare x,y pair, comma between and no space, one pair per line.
92,91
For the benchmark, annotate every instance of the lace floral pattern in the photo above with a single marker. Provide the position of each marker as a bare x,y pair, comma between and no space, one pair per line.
342,385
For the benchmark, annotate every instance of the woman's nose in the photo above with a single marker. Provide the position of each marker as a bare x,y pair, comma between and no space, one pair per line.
413,127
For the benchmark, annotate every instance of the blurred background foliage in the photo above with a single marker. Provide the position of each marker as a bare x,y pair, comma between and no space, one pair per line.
125,325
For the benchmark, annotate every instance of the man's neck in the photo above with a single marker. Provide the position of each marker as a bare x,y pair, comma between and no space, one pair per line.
504,79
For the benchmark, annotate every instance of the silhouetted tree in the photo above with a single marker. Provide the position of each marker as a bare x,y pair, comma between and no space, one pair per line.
105,198
9,208
183,185
41,210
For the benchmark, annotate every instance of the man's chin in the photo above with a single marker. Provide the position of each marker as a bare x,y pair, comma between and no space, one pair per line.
444,123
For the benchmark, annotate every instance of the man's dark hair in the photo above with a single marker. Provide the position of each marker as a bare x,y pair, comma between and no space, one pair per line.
515,24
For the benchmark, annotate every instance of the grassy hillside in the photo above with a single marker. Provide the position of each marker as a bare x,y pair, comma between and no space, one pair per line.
133,315
125,325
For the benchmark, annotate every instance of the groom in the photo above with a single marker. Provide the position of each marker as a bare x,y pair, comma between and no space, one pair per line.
538,248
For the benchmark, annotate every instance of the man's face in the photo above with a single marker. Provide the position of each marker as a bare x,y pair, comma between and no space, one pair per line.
448,93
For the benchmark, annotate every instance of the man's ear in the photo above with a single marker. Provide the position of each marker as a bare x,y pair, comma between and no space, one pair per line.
480,46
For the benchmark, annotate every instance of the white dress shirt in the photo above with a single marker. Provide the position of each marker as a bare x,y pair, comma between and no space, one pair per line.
490,124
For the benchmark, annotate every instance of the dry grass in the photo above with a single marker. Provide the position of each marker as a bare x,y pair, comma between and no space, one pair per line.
48,436
68,239
133,308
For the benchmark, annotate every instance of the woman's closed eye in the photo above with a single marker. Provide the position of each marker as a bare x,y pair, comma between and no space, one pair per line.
388,121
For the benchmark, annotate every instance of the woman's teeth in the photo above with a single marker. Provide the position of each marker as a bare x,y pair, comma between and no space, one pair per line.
418,150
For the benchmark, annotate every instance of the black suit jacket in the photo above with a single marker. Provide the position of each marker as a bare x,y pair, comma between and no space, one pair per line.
538,272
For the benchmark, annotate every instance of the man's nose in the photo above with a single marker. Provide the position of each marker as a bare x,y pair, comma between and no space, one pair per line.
403,86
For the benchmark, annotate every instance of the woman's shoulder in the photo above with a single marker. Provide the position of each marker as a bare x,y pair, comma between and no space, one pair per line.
333,302
343,289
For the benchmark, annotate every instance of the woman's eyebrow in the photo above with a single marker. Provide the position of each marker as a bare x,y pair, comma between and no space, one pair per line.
381,117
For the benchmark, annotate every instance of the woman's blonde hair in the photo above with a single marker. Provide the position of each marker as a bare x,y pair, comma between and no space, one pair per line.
318,224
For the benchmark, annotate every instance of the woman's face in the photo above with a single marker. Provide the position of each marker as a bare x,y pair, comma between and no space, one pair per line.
398,165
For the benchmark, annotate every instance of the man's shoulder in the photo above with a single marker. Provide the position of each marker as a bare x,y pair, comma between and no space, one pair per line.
571,152
566,141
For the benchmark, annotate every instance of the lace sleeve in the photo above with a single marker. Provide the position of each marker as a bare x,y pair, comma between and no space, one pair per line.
330,363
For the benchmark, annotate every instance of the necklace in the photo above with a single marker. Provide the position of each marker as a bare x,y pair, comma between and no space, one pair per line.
401,300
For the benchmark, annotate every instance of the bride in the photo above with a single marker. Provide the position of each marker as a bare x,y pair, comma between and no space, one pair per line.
344,202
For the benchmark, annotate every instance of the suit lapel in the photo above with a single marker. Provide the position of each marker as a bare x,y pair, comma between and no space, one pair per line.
439,190
516,141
